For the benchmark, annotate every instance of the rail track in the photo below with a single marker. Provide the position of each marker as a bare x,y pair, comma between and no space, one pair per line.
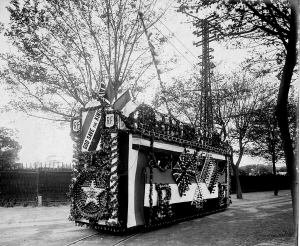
140,229
133,232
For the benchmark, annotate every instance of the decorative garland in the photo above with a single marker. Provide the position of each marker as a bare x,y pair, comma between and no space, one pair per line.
184,170
224,188
113,183
94,186
91,164
164,208
228,158
150,196
222,194
210,173
198,198
148,122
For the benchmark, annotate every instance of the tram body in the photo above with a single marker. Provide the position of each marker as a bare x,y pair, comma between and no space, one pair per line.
144,170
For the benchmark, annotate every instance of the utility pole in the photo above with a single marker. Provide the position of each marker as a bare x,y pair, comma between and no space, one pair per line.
205,30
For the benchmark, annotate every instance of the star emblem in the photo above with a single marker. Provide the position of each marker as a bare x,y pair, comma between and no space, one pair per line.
92,193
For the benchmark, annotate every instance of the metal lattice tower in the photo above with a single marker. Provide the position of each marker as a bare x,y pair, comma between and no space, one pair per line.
205,30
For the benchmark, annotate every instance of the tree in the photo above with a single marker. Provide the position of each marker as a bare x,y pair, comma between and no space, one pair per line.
266,137
266,134
274,24
66,49
9,149
235,100
183,101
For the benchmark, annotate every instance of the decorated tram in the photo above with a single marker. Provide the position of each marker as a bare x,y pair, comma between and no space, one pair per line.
144,169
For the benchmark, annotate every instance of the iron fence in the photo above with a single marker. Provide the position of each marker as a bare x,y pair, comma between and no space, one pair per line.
25,185
38,165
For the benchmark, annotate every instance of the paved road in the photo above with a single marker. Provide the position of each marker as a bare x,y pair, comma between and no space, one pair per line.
259,219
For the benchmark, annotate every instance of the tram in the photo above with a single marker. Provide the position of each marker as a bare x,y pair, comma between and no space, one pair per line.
144,170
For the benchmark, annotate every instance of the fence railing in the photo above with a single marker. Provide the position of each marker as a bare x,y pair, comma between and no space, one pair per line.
39,165
25,185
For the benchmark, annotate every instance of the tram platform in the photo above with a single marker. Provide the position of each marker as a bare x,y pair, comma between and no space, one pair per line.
259,219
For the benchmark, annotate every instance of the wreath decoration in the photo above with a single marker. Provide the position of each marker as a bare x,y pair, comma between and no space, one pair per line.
90,193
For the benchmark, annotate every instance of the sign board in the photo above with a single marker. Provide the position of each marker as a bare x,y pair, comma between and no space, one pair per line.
109,120
76,125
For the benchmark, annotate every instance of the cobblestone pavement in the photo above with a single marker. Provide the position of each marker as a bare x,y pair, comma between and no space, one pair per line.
259,219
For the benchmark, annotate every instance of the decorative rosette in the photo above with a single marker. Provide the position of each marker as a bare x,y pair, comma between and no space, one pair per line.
183,171
90,195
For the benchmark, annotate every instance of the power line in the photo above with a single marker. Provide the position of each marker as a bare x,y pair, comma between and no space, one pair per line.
177,38
173,46
164,11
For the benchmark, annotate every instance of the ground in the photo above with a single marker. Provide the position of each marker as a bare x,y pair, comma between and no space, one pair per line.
259,219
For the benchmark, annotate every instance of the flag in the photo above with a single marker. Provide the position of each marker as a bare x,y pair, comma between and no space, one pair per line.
124,103
102,89
109,93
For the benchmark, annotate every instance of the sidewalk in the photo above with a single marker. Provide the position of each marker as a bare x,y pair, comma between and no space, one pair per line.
259,219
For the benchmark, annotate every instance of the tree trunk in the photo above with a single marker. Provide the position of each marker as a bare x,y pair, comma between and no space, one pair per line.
282,116
275,177
238,188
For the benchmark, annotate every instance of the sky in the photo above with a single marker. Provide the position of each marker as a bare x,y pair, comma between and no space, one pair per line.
42,140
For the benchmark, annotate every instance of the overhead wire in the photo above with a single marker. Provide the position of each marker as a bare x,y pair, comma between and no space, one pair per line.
174,46
176,38
158,19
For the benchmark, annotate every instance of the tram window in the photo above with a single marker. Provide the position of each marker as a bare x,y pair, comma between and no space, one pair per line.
221,166
164,160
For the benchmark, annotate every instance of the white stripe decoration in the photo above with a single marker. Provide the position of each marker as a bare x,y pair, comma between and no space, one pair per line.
174,148
132,166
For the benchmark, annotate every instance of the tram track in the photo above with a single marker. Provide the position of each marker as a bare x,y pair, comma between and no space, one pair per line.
142,228
128,237
98,233
125,239
82,239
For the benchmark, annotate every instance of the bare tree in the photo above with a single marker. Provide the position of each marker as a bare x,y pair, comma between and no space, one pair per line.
66,49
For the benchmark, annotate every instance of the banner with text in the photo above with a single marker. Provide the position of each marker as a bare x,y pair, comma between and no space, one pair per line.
90,133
